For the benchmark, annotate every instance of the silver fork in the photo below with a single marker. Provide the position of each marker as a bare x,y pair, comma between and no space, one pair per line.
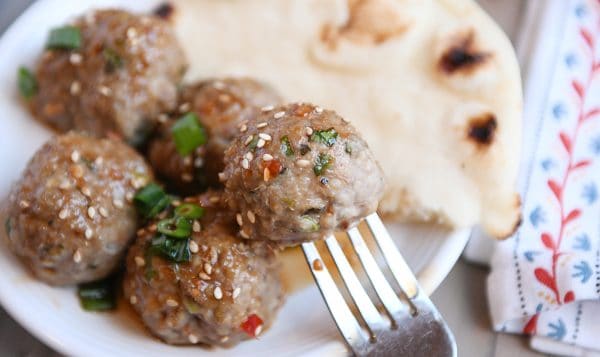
411,325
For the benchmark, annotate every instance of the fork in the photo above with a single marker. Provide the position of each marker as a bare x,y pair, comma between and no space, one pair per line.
410,325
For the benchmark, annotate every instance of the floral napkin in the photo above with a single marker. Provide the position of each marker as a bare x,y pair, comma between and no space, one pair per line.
545,280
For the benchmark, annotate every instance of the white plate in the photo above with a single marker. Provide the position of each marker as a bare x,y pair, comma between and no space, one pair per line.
54,315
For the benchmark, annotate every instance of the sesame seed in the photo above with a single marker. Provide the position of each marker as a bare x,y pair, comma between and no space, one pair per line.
86,191
265,137
303,163
222,176
88,233
244,234
63,213
77,256
214,199
163,118
75,58
309,131
207,268
267,108
258,330
266,174
262,125
75,88
103,212
224,339
218,293
99,160
203,276
185,107
260,143
236,293
219,85
176,203
187,161
131,33
75,156
251,216
248,140
238,218
249,156
118,203
198,162
245,164
129,196
133,300
267,157
243,128
105,91
139,261
172,303
214,256
193,247
193,339
279,115
196,226
319,110
23,204
91,212
186,177
65,185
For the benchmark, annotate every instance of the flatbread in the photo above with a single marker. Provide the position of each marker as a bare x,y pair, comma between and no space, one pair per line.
433,85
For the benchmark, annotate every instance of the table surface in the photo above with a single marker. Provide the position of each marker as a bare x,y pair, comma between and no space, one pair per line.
461,298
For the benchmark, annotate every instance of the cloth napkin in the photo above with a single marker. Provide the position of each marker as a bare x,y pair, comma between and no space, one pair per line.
545,280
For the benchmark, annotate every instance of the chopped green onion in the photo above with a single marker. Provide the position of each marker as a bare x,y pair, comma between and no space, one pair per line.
27,83
188,134
177,227
322,163
173,249
98,295
7,226
189,210
65,38
286,146
309,224
151,200
253,143
327,137
113,60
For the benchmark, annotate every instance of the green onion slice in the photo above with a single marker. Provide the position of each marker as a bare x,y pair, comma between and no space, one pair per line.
173,249
322,163
65,38
286,147
327,137
27,83
188,134
98,295
189,210
177,227
151,200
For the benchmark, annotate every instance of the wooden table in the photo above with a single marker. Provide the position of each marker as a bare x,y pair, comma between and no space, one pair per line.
461,298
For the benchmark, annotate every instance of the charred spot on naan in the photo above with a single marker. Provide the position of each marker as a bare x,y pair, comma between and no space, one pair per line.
165,11
481,129
463,56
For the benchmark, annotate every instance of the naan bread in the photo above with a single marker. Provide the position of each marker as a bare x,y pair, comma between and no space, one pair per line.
433,85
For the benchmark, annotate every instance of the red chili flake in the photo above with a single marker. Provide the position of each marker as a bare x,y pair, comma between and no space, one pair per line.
252,325
303,109
274,167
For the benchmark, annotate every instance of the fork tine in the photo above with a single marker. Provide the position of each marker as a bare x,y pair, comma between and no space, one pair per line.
400,270
384,291
366,308
341,313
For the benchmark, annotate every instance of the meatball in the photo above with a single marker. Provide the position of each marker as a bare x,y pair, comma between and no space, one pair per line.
222,106
122,73
227,291
298,173
70,217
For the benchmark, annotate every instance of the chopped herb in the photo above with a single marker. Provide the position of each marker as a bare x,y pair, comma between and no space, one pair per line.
98,295
173,249
348,148
189,210
65,38
7,226
327,137
286,146
150,200
304,149
322,163
176,227
27,83
309,224
253,144
113,60
188,134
